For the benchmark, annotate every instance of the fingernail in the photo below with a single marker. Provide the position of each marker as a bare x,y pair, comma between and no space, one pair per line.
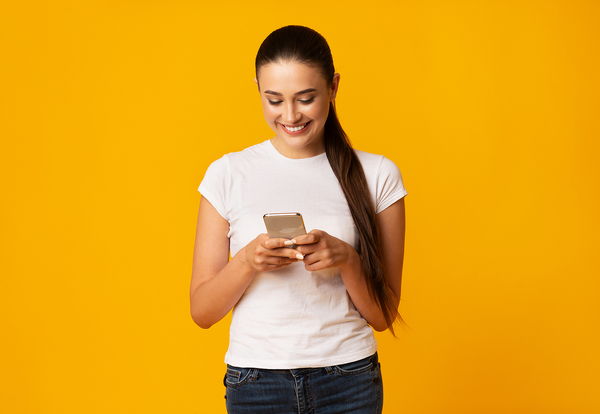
289,242
299,257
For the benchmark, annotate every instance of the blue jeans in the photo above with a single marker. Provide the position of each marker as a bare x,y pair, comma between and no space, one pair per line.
354,388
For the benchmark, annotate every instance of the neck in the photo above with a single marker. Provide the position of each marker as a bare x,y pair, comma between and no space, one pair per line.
311,150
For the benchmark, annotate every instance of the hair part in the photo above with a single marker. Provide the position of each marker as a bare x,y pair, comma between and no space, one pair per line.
303,45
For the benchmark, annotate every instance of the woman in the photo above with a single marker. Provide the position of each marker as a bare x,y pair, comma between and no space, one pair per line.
300,338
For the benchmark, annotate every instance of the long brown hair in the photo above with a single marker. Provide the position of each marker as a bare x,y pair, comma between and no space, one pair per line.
304,45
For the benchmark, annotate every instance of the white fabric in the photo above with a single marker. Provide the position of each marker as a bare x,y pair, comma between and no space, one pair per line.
292,318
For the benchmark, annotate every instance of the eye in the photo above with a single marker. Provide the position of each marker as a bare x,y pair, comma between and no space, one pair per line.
274,102
307,101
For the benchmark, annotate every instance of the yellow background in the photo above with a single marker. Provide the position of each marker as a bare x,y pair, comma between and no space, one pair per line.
110,112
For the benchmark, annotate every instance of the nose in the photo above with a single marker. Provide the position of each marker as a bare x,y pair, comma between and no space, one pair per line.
291,115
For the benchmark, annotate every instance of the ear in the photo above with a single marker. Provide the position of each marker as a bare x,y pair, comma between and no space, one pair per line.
335,84
256,81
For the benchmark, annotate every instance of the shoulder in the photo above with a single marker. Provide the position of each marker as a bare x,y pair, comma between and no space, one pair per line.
249,154
376,164
262,149
252,154
383,178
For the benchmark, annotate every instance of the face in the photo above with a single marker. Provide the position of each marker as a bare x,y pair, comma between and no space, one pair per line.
295,99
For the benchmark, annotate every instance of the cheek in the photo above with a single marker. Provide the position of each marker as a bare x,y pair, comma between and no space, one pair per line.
270,114
320,112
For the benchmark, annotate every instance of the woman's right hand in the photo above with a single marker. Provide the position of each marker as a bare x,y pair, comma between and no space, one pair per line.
264,254
217,282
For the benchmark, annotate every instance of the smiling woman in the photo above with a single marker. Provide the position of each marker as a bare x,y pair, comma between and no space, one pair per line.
296,100
304,309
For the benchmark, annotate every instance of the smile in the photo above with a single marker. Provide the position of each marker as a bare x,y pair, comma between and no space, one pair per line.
295,129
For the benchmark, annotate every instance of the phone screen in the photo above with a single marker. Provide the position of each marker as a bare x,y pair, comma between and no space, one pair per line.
286,225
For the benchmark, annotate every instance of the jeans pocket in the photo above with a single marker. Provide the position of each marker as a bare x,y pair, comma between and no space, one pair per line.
236,377
356,367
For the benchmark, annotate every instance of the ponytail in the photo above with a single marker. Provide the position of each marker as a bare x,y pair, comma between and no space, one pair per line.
347,168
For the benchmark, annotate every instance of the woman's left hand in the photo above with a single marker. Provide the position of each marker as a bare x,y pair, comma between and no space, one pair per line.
322,251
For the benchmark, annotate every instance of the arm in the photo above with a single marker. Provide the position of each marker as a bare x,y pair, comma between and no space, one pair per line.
328,251
217,282
391,223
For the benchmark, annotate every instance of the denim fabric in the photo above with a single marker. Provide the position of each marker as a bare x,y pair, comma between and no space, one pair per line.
354,388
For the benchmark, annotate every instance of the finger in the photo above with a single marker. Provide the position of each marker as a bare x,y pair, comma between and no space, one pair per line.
279,261
309,238
313,267
261,238
273,262
311,258
276,243
292,254
307,248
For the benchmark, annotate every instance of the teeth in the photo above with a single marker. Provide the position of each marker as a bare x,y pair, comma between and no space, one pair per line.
295,129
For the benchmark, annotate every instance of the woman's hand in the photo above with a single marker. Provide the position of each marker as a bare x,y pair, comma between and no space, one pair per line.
322,251
264,254
217,282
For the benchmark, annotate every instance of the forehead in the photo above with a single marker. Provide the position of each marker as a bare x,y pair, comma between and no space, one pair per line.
290,76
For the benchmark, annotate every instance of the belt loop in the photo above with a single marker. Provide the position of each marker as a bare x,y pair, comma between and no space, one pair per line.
374,358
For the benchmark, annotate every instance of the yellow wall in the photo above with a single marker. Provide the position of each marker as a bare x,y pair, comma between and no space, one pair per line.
110,112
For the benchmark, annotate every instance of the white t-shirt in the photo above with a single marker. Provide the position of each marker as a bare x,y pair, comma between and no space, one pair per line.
292,318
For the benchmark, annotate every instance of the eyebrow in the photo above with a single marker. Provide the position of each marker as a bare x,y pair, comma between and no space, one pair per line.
297,93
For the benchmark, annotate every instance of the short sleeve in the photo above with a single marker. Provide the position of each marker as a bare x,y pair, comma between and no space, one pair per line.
390,186
214,185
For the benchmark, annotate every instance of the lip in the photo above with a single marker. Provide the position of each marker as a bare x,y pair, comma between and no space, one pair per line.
302,131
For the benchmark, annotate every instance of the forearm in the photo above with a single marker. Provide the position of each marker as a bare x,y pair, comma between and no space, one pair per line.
213,299
355,281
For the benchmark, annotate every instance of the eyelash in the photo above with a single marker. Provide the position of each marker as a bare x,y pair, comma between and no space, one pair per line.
304,102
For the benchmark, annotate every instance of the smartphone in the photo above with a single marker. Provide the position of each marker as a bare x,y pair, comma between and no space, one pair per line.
286,225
